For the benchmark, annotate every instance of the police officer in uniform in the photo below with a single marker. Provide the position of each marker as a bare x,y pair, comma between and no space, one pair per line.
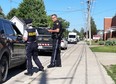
31,49
57,27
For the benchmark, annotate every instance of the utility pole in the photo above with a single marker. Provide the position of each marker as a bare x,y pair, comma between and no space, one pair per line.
86,26
89,19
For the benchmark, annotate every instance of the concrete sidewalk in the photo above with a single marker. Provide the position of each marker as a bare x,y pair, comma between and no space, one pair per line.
79,66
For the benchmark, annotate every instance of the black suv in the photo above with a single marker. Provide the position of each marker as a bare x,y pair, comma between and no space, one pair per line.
44,40
12,48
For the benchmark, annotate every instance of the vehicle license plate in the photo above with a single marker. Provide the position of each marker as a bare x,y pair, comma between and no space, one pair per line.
40,47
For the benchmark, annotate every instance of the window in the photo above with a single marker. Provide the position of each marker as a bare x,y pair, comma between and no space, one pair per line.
71,36
43,31
8,29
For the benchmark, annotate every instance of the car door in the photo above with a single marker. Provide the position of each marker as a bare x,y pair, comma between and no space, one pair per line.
16,47
19,43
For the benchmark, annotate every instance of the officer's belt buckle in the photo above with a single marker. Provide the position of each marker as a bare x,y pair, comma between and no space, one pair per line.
28,42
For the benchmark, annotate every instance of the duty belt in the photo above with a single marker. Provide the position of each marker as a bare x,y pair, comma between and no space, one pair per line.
30,42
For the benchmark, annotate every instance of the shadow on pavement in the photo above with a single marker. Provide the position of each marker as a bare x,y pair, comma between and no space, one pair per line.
44,53
43,79
13,72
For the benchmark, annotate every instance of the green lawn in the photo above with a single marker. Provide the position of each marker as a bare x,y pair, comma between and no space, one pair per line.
111,70
104,49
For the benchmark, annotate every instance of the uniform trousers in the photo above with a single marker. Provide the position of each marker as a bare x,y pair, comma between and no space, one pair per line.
56,57
32,52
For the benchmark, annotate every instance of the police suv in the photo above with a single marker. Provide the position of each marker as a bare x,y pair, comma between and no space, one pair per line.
12,48
44,40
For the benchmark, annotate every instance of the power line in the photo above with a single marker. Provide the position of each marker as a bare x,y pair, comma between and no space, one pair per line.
65,11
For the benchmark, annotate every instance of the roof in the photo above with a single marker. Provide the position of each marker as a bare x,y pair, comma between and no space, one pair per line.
23,21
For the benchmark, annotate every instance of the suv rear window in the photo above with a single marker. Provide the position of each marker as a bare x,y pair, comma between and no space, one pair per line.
43,31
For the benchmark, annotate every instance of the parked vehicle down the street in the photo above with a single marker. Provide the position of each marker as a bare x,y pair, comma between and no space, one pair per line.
12,48
64,43
72,37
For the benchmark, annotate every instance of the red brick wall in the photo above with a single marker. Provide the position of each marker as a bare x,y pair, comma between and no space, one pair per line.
107,23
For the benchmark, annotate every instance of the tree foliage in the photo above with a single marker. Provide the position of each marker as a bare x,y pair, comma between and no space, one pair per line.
35,10
93,27
1,13
12,13
82,33
74,30
65,24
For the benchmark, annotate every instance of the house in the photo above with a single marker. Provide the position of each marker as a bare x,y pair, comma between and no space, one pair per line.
21,23
109,27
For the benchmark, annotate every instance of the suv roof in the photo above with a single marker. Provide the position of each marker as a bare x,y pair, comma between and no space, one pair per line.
5,20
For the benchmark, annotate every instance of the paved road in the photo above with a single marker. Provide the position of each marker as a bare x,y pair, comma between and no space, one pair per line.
79,66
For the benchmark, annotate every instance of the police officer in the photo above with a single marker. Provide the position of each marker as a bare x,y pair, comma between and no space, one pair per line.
57,27
31,49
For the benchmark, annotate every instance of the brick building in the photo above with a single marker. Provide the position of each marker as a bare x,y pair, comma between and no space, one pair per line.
109,27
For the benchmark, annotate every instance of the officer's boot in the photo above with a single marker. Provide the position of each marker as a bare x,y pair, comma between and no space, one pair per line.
51,65
58,63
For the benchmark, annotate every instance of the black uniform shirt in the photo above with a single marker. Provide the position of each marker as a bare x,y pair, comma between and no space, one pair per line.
57,24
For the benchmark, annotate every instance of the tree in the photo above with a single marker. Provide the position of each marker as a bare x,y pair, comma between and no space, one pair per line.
1,13
93,28
65,26
82,33
35,10
74,30
12,13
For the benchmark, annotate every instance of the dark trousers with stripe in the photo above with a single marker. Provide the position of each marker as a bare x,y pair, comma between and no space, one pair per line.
31,52
56,58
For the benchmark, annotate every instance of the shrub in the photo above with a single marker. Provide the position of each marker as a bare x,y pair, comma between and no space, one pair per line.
101,43
107,43
114,42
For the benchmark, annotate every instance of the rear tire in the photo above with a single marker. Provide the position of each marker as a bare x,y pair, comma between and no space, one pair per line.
3,69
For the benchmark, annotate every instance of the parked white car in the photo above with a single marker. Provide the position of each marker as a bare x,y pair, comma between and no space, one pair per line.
64,43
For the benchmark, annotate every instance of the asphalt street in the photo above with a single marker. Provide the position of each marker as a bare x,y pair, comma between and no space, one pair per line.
79,66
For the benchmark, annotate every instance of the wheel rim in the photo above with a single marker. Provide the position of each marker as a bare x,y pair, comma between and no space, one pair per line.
4,69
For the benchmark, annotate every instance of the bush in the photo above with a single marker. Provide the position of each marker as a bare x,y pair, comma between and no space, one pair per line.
114,42
107,43
96,41
101,43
